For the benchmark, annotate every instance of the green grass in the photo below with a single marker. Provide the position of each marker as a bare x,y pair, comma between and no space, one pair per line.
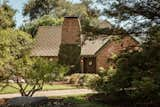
81,101
46,87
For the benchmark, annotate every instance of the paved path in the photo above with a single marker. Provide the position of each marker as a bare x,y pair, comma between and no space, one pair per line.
54,93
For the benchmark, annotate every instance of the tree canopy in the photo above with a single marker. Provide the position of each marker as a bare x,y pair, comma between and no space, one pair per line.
15,61
6,16
135,15
13,45
59,8
45,20
85,10
136,73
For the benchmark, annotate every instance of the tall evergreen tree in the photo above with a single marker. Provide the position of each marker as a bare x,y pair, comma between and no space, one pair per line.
136,15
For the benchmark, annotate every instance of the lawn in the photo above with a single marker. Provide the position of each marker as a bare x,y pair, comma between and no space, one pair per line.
46,87
81,101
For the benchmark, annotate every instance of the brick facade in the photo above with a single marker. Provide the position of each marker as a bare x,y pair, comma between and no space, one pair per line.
111,48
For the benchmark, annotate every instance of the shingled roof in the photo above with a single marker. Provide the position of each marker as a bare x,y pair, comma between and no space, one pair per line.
48,40
90,47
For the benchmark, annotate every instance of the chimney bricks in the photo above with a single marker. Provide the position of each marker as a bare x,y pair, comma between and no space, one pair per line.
71,30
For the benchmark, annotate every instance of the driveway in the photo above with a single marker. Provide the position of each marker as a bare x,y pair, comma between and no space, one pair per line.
54,93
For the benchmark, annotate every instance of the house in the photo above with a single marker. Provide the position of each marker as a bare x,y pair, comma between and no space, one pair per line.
94,52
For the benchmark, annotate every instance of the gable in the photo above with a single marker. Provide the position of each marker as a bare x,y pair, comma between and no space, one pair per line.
90,47
114,48
123,43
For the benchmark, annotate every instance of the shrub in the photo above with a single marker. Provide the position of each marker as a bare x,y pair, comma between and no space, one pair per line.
136,76
82,79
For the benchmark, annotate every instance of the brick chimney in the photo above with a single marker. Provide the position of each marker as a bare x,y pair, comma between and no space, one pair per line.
71,30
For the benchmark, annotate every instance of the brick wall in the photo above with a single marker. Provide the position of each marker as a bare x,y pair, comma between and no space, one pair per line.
114,47
71,31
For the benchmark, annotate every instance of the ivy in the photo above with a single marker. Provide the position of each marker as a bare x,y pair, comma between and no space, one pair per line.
70,55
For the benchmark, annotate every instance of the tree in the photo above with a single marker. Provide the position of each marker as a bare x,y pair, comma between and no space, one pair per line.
85,11
59,8
135,15
46,20
136,73
6,16
35,72
38,8
16,64
13,45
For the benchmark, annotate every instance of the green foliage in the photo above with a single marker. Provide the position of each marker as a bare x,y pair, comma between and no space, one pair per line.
101,84
46,20
43,70
82,79
39,8
35,72
58,9
14,44
6,16
16,63
70,55
154,34
136,73
136,15
83,101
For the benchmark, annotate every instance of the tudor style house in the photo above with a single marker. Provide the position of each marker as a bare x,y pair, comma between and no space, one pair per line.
94,52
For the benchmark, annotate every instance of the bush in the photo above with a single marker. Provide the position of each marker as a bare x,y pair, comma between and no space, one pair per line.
136,76
82,79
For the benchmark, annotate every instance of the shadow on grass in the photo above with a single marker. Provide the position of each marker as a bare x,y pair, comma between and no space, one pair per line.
64,101
82,101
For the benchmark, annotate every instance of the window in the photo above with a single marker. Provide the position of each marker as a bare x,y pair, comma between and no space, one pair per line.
90,63
50,59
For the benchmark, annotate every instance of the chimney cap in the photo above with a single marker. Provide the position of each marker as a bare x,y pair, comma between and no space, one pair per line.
71,17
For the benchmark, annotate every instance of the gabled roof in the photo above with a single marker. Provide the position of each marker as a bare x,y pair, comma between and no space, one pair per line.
90,47
105,24
48,40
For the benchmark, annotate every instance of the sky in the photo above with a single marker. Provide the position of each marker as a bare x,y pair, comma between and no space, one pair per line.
18,5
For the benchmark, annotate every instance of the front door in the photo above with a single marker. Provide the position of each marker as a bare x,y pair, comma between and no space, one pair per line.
89,64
